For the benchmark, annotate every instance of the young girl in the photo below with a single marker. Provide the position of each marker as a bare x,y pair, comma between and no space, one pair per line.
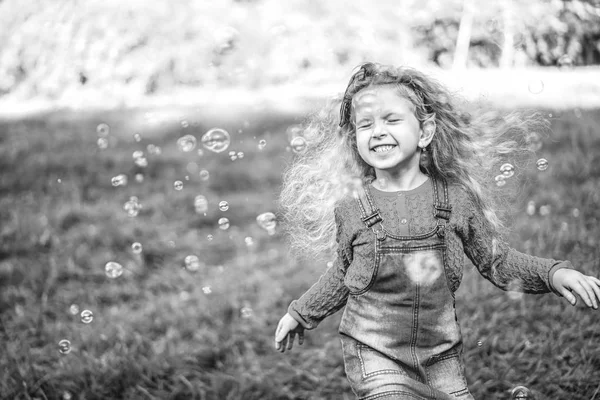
419,174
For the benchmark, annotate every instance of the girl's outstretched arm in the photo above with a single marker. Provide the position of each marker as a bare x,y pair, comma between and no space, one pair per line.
567,281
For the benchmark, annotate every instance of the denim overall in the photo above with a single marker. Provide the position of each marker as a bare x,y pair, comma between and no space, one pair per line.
400,335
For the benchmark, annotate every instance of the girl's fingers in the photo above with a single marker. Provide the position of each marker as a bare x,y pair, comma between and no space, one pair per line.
595,287
301,337
291,340
569,296
587,294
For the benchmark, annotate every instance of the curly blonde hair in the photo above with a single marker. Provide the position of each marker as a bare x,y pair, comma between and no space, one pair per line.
465,151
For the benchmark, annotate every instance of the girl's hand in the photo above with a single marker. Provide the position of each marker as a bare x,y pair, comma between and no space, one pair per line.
286,332
587,287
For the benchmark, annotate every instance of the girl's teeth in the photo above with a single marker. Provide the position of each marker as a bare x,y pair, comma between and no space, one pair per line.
382,149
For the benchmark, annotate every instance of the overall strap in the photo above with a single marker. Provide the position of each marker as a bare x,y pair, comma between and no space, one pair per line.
370,215
441,207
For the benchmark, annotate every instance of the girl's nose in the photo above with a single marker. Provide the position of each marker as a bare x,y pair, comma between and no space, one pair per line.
379,131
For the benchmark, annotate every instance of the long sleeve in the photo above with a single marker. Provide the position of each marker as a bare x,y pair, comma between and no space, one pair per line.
502,265
329,294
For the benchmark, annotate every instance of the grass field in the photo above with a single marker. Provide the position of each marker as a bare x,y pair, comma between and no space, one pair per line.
161,331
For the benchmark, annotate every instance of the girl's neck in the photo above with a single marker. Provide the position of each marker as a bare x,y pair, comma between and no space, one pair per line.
394,183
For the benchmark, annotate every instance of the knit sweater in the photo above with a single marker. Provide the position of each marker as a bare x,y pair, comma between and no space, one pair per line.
410,213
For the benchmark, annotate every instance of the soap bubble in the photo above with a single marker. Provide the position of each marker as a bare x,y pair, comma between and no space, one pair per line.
249,241
520,392
575,212
267,221
545,210
153,149
536,86
298,144
178,185
500,180
565,61
74,309
209,237
224,223
132,207
186,143
119,180
246,312
141,162
479,343
201,204
67,396
185,123
507,170
192,263
87,316
64,346
192,167
204,175
261,144
531,208
136,247
492,25
534,141
139,177
207,290
102,143
542,164
240,154
137,154
103,130
514,290
232,155
137,137
223,206
113,269
216,140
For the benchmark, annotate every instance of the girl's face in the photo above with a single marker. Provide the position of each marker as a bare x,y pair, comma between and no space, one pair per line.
388,134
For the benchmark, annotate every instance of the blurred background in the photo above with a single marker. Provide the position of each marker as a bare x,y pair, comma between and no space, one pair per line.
141,150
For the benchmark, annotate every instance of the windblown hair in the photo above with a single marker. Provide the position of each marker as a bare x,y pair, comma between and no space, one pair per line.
465,151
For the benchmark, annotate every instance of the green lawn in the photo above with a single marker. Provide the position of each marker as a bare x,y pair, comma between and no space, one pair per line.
161,331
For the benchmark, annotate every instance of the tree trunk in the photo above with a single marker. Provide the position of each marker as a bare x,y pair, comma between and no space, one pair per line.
463,40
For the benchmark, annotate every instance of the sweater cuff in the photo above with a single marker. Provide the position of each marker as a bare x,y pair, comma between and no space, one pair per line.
299,318
556,267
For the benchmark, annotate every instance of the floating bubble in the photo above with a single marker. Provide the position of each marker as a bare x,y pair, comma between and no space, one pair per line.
565,61
207,290
298,144
102,143
87,316
531,208
329,264
267,221
545,210
204,175
240,154
520,392
223,206
137,137
192,167
577,113
224,223
261,144
141,162
185,123
171,244
492,25
232,153
192,263
103,130
534,141
132,207
209,237
119,180
479,343
113,269
216,140
153,149
507,170
200,152
178,185
136,247
187,177
186,143
74,309
542,164
536,86
514,289
64,346
200,204
67,396
249,241
500,180
137,154
575,212
139,177
246,312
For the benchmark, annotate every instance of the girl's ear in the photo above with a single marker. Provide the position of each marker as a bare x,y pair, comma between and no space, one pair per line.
427,132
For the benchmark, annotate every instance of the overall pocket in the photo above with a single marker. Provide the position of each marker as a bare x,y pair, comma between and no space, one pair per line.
361,273
445,373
